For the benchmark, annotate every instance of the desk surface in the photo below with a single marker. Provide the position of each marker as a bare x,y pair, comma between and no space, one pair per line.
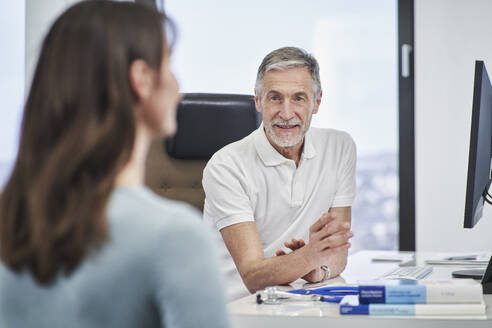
246,313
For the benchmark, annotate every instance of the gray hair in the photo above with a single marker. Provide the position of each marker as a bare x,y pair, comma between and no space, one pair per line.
285,58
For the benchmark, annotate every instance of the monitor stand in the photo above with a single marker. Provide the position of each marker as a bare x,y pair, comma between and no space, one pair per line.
470,273
477,274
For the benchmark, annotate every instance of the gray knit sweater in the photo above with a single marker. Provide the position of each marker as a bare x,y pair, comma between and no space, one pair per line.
158,269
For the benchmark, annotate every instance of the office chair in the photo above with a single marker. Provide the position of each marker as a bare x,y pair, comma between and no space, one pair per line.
206,123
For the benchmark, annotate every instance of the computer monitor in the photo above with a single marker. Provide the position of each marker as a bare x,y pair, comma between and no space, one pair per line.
478,181
479,159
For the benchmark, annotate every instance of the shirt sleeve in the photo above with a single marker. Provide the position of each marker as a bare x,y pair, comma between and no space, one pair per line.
227,194
189,289
345,193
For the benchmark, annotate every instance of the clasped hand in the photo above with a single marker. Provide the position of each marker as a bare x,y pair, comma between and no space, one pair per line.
328,236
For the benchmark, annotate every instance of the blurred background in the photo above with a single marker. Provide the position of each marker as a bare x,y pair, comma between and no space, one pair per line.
220,46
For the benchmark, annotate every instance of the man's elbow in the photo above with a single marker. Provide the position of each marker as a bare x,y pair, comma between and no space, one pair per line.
343,266
340,266
251,282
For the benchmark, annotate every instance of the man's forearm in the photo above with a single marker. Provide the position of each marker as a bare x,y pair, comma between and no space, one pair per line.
338,261
277,270
281,270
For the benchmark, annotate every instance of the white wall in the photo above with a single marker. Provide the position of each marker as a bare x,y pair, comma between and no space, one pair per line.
449,36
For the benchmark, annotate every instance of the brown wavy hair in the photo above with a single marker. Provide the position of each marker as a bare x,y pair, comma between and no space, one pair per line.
77,133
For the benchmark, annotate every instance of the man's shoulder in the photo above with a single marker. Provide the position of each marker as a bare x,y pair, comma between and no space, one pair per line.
331,135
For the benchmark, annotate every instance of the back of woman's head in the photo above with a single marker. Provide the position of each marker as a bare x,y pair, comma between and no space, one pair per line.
77,132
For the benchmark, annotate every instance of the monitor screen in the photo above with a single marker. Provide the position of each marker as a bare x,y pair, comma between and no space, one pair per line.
480,147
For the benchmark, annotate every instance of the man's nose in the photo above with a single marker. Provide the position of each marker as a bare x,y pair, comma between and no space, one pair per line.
287,111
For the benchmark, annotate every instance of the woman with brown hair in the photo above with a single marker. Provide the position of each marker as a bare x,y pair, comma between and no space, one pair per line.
82,242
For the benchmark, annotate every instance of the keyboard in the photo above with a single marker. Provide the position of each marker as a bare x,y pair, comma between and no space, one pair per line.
408,273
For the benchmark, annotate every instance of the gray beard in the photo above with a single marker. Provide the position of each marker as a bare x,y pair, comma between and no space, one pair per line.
285,142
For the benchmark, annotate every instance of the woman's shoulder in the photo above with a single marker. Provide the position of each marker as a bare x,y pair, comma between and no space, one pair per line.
138,210
140,204
155,230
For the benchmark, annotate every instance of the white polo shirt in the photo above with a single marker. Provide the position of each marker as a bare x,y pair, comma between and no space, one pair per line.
249,180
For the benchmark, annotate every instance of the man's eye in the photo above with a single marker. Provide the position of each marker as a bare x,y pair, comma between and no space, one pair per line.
298,98
275,98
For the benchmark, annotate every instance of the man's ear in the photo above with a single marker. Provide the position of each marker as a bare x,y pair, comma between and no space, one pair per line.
317,102
141,79
257,102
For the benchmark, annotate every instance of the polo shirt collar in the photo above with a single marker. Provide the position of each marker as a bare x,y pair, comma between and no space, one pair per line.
270,156
308,151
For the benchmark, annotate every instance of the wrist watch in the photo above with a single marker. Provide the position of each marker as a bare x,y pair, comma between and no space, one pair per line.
327,271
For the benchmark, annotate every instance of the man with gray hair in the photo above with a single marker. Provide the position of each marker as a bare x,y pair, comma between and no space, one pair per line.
285,188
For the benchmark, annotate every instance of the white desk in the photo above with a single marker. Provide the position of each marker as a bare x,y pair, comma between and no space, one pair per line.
246,313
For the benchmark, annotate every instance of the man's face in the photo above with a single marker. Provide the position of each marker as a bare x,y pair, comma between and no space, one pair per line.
287,103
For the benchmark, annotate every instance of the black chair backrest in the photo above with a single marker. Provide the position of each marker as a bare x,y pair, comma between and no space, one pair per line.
208,122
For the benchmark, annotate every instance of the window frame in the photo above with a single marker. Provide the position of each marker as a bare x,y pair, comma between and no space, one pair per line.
406,126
